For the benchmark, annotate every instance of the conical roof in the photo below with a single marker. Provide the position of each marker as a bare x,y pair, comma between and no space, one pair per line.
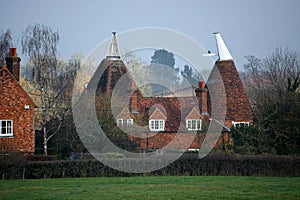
110,71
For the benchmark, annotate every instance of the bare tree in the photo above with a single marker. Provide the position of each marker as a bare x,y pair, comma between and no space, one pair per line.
39,42
51,78
5,44
272,85
138,71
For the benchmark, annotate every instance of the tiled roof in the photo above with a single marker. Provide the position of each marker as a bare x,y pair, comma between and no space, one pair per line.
237,103
177,109
193,114
124,114
5,74
157,114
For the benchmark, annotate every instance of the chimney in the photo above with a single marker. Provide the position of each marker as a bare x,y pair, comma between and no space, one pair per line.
13,63
134,102
201,84
201,94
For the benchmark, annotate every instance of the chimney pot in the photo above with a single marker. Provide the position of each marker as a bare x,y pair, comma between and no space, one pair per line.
201,84
13,52
13,63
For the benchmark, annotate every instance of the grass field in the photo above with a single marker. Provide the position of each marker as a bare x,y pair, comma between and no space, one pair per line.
153,187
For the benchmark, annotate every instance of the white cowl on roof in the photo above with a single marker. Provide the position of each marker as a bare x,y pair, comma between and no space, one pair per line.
113,48
223,51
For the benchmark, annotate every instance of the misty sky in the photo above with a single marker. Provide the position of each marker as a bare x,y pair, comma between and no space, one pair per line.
249,27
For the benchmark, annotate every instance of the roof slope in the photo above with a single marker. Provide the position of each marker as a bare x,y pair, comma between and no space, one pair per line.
7,78
225,75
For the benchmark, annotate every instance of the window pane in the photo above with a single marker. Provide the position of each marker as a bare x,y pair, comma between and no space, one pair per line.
152,124
3,130
156,124
193,124
189,124
120,122
129,121
3,124
161,125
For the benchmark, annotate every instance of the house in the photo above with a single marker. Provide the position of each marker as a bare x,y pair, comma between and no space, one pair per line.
16,110
221,100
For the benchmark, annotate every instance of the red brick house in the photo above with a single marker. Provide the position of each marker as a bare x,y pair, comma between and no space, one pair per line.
16,110
168,116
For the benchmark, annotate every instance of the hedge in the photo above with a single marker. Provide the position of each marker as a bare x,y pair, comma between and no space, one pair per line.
189,164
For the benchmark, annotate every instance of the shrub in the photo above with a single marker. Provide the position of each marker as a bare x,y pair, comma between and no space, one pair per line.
188,164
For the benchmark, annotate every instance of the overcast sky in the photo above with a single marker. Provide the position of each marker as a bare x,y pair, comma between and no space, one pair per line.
249,27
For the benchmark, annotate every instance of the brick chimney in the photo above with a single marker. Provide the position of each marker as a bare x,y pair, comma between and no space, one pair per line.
201,94
13,63
134,102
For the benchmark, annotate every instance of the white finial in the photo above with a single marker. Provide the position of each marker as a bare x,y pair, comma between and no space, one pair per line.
223,52
113,48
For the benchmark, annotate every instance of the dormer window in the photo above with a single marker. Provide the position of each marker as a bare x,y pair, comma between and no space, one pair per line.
157,125
124,118
193,124
124,122
157,119
193,121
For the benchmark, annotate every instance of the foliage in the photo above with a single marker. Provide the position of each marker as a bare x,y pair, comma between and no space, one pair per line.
5,44
66,140
249,140
163,57
138,71
109,125
12,165
272,86
192,77
48,76
189,164
39,42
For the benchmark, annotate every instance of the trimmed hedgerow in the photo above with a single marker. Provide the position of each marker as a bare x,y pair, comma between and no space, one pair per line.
189,164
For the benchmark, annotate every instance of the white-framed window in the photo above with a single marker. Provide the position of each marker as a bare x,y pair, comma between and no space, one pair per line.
157,125
6,128
129,121
240,124
124,122
193,124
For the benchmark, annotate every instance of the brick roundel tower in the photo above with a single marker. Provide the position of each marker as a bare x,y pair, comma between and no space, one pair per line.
238,109
110,70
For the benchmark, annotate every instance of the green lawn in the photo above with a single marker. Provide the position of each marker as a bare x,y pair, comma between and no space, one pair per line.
153,187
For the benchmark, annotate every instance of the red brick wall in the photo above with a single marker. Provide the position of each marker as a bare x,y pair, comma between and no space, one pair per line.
12,101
